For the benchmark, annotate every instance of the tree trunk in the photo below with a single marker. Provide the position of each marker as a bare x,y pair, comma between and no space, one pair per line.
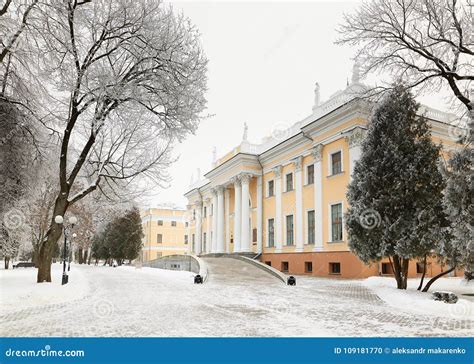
7,262
432,280
84,256
46,249
400,271
79,255
423,275
44,264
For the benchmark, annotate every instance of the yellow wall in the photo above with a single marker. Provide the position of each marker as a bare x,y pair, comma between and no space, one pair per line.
172,236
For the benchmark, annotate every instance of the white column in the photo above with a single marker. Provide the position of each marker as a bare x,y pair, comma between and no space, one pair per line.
237,215
259,214
245,234
355,139
214,221
278,210
189,215
318,197
208,226
227,220
198,247
220,220
299,204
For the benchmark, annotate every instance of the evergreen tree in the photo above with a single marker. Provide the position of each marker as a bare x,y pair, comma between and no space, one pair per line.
396,192
458,251
121,238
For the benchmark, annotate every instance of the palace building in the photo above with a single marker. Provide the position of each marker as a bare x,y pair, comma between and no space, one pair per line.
284,199
165,233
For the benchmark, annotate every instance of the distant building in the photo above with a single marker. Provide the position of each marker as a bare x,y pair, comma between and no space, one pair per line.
285,198
165,233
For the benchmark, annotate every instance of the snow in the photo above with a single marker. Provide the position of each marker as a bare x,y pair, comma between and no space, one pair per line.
412,300
19,290
238,299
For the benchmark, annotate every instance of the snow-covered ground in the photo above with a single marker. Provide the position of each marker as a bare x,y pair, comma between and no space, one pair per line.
412,300
237,300
19,290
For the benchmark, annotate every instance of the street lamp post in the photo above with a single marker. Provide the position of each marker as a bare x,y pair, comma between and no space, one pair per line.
72,221
70,251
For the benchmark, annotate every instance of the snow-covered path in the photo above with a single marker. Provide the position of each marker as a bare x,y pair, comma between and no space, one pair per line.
238,300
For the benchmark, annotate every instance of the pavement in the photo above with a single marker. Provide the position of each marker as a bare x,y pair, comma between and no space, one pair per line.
237,300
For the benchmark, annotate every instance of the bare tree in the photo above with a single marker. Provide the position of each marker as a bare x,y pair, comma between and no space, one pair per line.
423,43
126,80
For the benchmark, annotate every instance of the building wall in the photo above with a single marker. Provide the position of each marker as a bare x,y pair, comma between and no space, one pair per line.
332,133
173,241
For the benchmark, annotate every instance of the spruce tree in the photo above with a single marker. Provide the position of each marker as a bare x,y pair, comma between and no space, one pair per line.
396,191
458,251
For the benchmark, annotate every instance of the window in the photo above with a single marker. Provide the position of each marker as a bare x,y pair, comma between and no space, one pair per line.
173,223
308,267
205,211
160,222
310,174
336,222
335,268
336,163
289,182
186,224
419,267
254,235
386,268
289,230
311,227
193,241
284,266
159,239
268,263
186,239
204,241
271,233
271,188
194,214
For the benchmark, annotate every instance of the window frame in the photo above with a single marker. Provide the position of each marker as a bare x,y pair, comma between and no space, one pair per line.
271,233
308,183
272,181
330,162
308,230
292,182
330,221
335,264
292,230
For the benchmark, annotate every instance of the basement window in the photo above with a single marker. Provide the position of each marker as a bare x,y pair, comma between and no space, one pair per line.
335,268
308,267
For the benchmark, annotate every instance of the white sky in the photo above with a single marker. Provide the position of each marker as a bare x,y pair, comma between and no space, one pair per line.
264,59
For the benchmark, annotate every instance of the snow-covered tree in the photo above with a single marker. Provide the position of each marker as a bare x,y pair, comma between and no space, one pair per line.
458,251
121,238
396,192
427,44
120,82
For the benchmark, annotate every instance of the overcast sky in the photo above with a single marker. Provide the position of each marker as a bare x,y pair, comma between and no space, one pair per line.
264,59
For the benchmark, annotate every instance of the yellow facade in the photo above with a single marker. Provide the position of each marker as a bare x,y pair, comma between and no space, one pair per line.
329,142
165,233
